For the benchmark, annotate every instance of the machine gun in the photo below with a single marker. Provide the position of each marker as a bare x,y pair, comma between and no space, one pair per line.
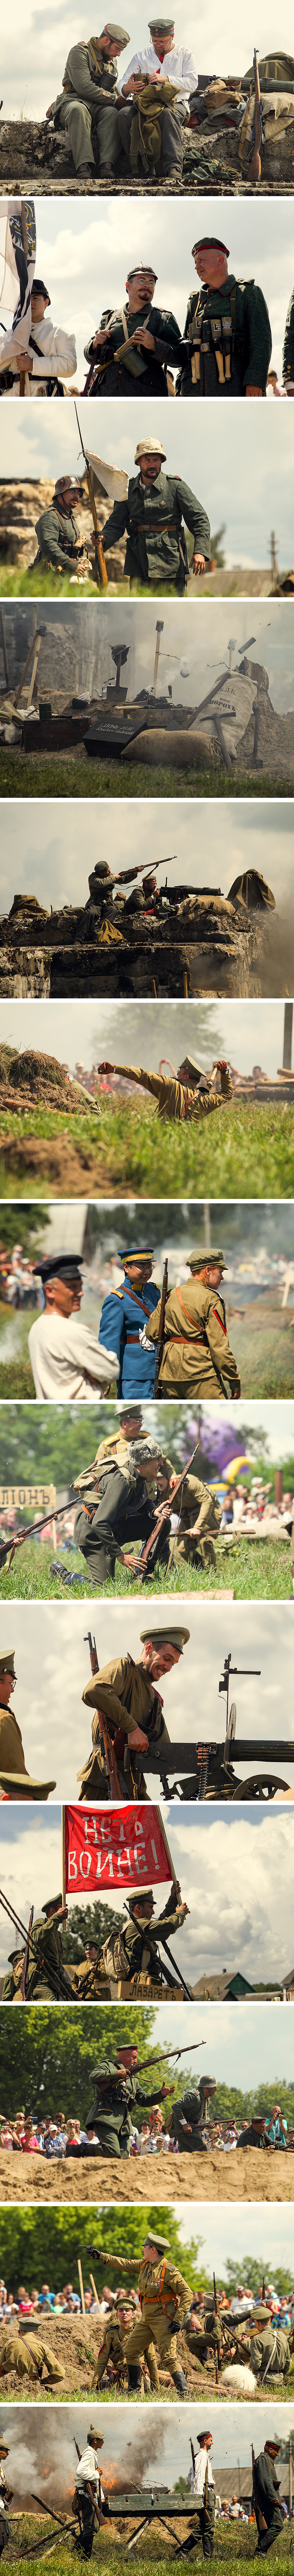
106,1740
259,139
207,1769
157,1390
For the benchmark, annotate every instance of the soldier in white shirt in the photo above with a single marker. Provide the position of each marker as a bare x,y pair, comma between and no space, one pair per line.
50,355
201,2482
161,61
89,2496
69,1364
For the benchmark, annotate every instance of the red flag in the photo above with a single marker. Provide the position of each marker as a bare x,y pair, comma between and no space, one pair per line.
114,1848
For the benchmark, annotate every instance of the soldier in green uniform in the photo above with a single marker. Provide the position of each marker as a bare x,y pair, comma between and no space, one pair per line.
288,348
146,339
265,2346
12,1983
266,2492
26,2353
164,2300
126,1509
126,1695
57,529
15,1780
197,1357
152,517
88,96
190,2117
111,2359
187,1094
132,1954
87,1976
117,2095
198,1525
228,326
47,1981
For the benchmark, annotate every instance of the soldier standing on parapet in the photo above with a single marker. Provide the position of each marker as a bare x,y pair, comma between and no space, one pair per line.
197,1358
89,96
154,514
187,1094
229,329
132,1953
126,1695
118,2092
165,2298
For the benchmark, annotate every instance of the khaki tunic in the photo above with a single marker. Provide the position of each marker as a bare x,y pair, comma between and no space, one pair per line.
125,1694
11,1746
81,99
199,1506
85,1972
28,2357
165,2298
174,1098
197,1351
114,2348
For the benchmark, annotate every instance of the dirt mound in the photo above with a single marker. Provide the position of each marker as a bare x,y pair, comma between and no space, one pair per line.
32,1076
73,2345
241,2175
55,1160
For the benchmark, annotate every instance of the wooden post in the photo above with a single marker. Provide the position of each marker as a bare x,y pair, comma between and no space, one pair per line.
93,2287
81,2286
159,632
158,1813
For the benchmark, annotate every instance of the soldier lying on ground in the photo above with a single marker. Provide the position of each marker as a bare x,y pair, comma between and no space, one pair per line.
88,97
153,515
126,1696
228,325
27,2355
164,2298
146,339
187,1094
197,1358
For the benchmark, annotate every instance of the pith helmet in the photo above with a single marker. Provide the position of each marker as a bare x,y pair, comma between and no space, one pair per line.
171,1636
149,447
204,1260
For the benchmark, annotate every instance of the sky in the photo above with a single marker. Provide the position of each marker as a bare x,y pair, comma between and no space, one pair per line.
196,635
267,2236
231,1869
245,2048
249,1032
259,1634
59,851
33,61
154,2448
85,265
243,477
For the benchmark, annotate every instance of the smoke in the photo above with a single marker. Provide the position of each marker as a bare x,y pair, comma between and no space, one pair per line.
43,2460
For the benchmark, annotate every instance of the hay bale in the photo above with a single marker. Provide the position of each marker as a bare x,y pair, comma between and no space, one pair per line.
178,750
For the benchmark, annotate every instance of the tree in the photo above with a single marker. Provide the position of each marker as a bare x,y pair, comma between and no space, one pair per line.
88,1923
29,1223
44,2243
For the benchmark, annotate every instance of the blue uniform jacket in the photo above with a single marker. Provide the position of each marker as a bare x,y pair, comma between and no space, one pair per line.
124,1312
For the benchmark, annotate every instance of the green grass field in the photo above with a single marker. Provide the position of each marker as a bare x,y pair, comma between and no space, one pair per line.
245,1152
66,775
232,2546
257,1571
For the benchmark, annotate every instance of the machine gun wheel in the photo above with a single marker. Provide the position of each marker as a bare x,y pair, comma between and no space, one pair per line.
261,1784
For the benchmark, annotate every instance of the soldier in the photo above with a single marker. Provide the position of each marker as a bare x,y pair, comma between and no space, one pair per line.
266,2491
265,2346
127,1509
197,1357
190,2118
87,1977
133,1952
198,1525
29,2356
124,1312
154,336
164,2299
288,348
11,1991
117,2093
68,1360
50,355
161,62
152,516
187,1094
6,2494
46,1976
57,529
229,329
202,2483
111,2359
89,2499
15,1780
89,91
126,1695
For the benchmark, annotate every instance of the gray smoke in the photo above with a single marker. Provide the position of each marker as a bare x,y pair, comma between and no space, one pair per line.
43,2459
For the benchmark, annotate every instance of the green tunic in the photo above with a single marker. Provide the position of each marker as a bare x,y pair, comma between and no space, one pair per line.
46,1973
113,2110
59,537
152,520
266,2495
288,349
115,379
248,340
141,1945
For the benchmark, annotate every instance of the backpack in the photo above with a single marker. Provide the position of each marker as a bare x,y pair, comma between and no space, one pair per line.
115,1955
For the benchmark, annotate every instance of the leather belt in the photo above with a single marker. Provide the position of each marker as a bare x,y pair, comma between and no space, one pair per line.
156,528
133,1337
187,1337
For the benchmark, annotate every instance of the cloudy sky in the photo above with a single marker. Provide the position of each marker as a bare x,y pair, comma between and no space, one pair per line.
231,1870
59,852
34,60
153,2449
250,1032
237,2232
244,480
194,644
52,1665
85,264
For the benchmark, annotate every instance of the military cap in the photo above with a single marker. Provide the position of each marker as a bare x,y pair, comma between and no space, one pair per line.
203,1260
149,447
141,1449
140,1896
143,1252
13,1955
53,1904
162,24
38,288
171,1636
143,269
125,2299
209,241
134,1409
162,2242
191,1064
7,1661
58,1265
205,2433
117,35
22,1784
93,2436
101,868
272,2446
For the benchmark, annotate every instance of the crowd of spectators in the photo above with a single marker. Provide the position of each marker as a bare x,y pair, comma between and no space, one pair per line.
67,2302
18,1286
254,1510
47,2302
38,2135
243,2303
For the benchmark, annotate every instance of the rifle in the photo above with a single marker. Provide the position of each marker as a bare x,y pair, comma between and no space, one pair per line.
148,1557
145,2062
100,573
107,1747
127,875
89,2489
193,2455
255,164
215,2298
31,1527
18,1926
26,1958
160,1341
54,2517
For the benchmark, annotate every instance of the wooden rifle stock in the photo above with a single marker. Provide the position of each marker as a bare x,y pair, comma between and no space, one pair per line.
107,1747
100,565
160,1343
26,1958
164,1515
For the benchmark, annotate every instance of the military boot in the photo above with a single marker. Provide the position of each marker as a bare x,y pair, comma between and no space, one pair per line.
181,2384
134,2375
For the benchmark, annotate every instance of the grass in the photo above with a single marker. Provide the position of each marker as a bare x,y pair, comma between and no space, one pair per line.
68,776
246,1152
231,2548
258,1571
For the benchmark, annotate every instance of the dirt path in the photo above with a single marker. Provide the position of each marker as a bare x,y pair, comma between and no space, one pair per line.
245,2175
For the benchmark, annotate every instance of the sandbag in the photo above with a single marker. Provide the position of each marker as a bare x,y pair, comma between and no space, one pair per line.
181,750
